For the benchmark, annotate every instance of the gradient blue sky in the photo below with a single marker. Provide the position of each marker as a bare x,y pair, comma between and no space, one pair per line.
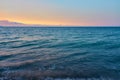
62,12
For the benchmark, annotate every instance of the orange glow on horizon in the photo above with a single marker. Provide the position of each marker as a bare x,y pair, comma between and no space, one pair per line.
37,21
55,21
42,22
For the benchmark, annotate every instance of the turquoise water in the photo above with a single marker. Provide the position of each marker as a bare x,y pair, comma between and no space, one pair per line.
60,52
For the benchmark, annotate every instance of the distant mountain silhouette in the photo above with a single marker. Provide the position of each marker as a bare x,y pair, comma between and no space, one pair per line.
18,24
9,23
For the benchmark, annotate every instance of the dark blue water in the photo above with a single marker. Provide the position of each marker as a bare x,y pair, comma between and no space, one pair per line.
82,53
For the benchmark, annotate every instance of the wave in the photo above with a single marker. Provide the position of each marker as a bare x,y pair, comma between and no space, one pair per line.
28,75
60,53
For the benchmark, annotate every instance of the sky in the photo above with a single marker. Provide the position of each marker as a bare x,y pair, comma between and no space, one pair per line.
62,12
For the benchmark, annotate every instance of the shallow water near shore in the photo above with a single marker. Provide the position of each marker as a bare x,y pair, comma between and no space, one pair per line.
60,53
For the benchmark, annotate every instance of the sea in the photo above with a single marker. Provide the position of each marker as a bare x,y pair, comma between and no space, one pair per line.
60,53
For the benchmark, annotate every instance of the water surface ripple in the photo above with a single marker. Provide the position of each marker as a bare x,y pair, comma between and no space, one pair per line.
60,52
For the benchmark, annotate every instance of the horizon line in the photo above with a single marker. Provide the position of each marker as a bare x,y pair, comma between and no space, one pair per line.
56,26
45,25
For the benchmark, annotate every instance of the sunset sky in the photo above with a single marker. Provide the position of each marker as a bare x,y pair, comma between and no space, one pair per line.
62,12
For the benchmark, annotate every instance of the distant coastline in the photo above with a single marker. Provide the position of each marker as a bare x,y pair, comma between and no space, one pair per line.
6,23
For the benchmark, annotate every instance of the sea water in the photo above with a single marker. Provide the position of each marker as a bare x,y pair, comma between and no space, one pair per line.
33,53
